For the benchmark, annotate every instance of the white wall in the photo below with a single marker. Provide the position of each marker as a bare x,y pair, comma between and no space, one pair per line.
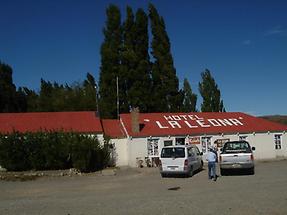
130,150
263,142
284,143
121,151
137,150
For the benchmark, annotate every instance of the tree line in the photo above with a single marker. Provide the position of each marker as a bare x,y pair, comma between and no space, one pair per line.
51,97
135,71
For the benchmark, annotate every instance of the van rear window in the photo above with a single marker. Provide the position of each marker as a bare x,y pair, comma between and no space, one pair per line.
173,152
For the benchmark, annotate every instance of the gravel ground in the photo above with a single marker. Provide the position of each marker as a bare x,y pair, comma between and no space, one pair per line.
143,191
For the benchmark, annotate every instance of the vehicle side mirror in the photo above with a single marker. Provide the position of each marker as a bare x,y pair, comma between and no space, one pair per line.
253,148
220,149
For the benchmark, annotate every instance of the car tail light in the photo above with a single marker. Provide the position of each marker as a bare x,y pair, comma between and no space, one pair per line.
252,157
220,158
160,164
185,164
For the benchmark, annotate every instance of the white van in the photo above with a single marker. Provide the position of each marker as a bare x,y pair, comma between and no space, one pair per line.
180,159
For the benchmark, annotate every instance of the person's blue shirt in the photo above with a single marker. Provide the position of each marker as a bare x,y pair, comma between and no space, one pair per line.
211,156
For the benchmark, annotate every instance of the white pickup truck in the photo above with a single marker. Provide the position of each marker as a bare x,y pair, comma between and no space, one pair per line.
236,155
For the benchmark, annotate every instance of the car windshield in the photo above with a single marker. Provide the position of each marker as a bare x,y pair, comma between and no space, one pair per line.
236,147
175,152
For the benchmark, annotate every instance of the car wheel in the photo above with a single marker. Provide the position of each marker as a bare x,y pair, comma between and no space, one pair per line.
251,171
190,173
201,166
163,175
222,171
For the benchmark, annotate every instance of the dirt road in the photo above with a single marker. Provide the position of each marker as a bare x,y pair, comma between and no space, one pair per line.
143,191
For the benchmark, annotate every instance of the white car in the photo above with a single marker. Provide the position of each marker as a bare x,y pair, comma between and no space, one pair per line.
236,155
180,159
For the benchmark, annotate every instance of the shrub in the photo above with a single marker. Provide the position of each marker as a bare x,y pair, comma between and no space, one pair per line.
13,153
52,150
86,153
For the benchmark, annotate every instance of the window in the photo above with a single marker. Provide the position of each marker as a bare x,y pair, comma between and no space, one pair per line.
190,152
173,153
180,141
242,137
277,141
197,151
205,143
152,147
220,142
194,151
167,143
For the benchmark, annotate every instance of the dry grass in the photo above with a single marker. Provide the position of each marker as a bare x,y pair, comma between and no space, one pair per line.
276,118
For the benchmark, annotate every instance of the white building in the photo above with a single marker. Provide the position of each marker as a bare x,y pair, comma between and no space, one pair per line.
142,135
139,137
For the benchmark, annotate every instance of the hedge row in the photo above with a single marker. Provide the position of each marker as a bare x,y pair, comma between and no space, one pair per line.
52,151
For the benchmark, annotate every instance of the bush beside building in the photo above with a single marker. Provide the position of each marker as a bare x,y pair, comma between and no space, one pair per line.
52,150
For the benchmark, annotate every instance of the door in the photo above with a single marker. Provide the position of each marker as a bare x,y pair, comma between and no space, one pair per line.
153,151
205,144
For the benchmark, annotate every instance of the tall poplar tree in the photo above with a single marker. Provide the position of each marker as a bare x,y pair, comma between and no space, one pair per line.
110,63
11,100
189,98
210,93
128,61
140,91
165,81
134,83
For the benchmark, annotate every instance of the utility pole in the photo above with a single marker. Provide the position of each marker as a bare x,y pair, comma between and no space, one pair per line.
118,102
97,99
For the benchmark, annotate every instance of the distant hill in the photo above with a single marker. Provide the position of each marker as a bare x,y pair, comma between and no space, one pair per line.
276,118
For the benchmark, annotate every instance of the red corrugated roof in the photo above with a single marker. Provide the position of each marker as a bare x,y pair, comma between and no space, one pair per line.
162,124
151,124
113,128
83,122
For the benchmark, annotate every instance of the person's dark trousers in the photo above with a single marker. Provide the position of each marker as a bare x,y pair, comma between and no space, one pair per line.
211,170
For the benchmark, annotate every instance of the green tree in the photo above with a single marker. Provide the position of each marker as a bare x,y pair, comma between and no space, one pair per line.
32,99
45,99
128,61
189,98
141,89
21,100
210,93
81,96
136,54
90,93
11,100
165,81
110,63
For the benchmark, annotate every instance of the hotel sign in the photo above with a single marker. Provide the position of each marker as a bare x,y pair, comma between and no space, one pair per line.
194,121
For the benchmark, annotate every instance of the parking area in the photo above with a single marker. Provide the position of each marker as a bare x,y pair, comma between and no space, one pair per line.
143,191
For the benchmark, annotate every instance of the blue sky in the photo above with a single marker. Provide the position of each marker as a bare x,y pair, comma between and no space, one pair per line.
242,42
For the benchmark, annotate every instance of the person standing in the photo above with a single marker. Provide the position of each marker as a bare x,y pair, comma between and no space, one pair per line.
212,158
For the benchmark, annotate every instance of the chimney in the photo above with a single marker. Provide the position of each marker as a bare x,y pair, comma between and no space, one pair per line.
135,120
